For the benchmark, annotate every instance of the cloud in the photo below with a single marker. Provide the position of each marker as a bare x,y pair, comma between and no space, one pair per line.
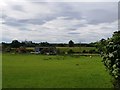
64,23
58,30
58,22
97,32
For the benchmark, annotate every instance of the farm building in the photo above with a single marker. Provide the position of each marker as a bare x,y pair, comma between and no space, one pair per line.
46,50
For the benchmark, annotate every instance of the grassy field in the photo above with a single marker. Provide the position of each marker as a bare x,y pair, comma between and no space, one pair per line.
40,71
75,49
0,70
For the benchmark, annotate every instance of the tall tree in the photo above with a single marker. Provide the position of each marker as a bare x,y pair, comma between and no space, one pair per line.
15,44
71,43
101,45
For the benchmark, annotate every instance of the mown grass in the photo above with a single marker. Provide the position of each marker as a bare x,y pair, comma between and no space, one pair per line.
75,49
66,49
0,70
41,71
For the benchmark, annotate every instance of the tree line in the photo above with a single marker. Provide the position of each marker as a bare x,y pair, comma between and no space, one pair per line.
17,44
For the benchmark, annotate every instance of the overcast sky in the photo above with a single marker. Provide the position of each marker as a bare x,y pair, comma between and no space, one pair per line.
57,22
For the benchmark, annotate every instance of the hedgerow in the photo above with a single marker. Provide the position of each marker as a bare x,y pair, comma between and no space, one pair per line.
111,57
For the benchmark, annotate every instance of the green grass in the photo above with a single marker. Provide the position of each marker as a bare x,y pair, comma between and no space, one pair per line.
40,71
0,71
65,49
75,49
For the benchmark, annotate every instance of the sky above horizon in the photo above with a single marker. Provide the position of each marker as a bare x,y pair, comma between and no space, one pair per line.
58,22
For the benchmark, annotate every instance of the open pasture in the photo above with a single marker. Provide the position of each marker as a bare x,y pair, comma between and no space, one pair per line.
42,71
66,49
75,49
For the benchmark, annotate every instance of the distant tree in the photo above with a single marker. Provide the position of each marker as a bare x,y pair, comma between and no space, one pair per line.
23,43
44,44
92,51
101,45
62,45
71,43
8,49
27,43
15,44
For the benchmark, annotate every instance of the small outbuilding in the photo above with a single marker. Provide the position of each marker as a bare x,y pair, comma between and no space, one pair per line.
46,50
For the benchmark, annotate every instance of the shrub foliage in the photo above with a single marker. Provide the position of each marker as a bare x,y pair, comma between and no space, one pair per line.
111,57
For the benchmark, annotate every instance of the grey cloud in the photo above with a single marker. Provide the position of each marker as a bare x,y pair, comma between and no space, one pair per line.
69,27
101,16
23,22
32,21
119,15
5,39
17,7
119,10
68,10
13,22
93,16
73,33
24,29
94,13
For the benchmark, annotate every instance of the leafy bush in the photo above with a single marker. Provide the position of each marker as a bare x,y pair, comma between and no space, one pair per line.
8,49
84,51
21,50
92,51
70,51
111,57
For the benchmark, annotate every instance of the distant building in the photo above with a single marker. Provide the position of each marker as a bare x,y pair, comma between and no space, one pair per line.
46,50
